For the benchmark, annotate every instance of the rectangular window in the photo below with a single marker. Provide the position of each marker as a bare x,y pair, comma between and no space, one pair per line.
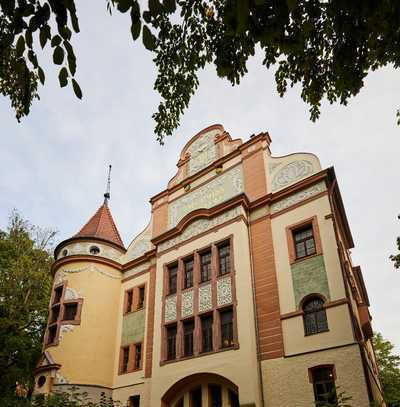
215,396
125,359
70,311
141,297
188,275
129,301
195,397
188,329
304,242
51,334
138,356
207,333
134,401
324,385
205,267
172,279
55,312
57,295
224,259
226,318
171,342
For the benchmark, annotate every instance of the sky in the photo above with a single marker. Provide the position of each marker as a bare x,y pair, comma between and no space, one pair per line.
54,163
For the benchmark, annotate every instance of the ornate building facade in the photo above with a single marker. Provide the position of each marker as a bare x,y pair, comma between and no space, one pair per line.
240,291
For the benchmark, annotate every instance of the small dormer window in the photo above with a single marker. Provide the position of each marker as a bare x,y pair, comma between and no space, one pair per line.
64,252
94,250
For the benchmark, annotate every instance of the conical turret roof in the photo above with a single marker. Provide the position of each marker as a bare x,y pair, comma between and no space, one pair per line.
101,225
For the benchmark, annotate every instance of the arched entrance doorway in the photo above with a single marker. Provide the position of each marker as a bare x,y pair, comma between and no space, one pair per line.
202,390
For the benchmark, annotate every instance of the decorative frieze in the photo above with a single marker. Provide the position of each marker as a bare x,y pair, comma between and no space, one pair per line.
170,308
187,303
205,298
224,291
220,189
291,173
298,197
199,226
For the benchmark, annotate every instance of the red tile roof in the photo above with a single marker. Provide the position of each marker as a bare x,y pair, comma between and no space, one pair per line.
102,226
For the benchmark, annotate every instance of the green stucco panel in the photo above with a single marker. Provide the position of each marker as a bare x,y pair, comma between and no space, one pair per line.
133,325
309,276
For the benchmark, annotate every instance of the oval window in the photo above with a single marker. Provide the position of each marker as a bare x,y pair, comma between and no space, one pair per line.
64,252
41,381
94,250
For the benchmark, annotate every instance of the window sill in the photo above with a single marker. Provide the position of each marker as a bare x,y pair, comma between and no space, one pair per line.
213,352
316,333
130,371
299,260
133,311
70,322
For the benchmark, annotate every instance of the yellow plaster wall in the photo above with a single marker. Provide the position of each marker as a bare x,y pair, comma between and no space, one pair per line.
239,366
87,353
318,207
286,380
340,332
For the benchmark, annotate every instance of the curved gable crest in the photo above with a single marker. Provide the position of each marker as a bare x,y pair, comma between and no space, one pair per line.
202,150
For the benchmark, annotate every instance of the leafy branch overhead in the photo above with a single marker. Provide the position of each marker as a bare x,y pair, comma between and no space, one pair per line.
327,48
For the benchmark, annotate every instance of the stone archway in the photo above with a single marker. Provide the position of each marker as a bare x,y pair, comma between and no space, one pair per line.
202,390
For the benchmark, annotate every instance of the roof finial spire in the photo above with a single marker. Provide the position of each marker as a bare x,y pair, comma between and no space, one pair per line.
107,194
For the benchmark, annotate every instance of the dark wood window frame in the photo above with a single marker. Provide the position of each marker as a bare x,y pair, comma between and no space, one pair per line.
206,266
173,272
132,300
171,341
224,258
188,337
291,230
207,333
215,311
188,273
57,311
323,386
304,242
227,328
132,351
134,401
315,319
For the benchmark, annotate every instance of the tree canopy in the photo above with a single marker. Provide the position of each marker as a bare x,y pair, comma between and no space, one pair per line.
389,369
25,286
327,48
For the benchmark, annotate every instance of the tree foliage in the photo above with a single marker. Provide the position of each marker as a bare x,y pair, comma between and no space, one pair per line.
327,47
389,370
396,257
25,285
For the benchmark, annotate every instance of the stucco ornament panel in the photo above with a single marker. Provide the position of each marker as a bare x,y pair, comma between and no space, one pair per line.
187,304
291,173
199,226
140,245
298,197
224,291
65,329
60,379
205,298
92,268
220,189
202,152
84,248
133,327
170,308
71,294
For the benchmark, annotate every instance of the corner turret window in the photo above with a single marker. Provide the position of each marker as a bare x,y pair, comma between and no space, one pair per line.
64,252
94,250
315,320
41,381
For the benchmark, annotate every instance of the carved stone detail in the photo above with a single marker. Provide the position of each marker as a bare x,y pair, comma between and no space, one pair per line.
199,226
224,291
170,308
205,298
187,303
220,189
298,197
292,172
202,152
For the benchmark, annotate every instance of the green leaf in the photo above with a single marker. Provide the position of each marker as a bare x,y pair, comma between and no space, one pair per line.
41,75
20,47
32,58
146,16
169,6
58,55
28,38
124,5
63,77
135,30
77,89
44,35
56,41
135,13
65,32
72,64
149,41
242,15
155,7
75,22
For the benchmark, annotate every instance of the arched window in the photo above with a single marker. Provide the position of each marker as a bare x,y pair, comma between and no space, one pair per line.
314,316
